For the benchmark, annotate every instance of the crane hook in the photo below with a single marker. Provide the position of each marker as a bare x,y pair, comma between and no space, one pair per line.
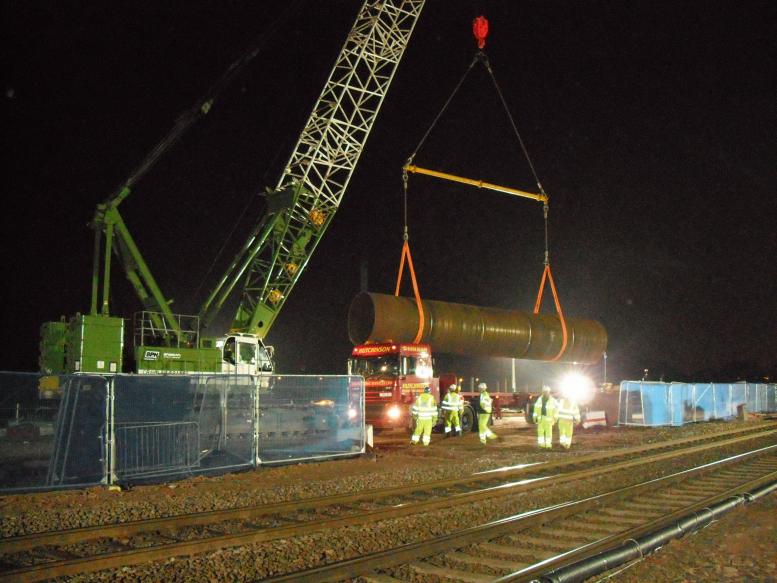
480,30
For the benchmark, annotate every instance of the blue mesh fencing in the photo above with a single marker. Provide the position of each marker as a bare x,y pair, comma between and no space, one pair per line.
305,417
53,431
653,403
82,430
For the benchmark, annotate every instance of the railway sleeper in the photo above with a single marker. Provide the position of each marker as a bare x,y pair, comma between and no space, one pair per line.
630,512
607,528
701,487
534,541
571,534
617,521
686,499
725,481
515,553
380,578
501,566
448,574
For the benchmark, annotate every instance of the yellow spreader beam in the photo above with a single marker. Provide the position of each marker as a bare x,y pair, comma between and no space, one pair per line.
477,183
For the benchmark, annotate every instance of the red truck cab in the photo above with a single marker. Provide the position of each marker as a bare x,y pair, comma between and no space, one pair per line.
394,373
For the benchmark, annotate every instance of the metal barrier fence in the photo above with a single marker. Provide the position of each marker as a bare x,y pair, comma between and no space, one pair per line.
82,430
652,403
151,449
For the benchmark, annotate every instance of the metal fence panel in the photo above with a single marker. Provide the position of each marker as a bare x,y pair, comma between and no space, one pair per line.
80,430
53,431
305,417
630,410
173,426
655,403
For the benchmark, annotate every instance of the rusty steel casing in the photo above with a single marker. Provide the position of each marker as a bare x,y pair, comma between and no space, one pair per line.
473,330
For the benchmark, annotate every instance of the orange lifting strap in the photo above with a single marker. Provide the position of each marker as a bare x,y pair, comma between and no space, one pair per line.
546,274
406,253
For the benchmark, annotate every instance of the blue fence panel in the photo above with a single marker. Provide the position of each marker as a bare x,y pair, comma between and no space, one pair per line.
53,431
653,403
704,402
655,399
738,395
306,417
173,426
630,404
679,403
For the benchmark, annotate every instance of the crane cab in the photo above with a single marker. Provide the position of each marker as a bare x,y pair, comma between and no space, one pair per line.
244,354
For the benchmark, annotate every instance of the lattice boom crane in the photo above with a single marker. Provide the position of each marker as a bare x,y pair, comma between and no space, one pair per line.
316,176
271,261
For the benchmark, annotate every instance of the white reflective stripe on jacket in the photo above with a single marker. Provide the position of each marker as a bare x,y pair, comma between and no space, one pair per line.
425,407
551,408
569,410
485,402
452,402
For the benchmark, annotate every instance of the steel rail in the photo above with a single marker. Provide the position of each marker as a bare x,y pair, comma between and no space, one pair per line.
135,556
78,535
615,540
355,567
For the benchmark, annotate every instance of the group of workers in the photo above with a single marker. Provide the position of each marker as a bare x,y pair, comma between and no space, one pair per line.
547,412
424,413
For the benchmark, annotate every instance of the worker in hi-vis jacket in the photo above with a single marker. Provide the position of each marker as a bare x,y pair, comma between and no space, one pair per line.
484,414
545,415
568,417
451,408
424,412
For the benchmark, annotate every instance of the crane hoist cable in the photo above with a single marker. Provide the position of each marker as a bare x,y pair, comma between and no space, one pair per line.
480,31
406,255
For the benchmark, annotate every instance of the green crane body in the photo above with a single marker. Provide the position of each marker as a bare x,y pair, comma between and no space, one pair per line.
299,210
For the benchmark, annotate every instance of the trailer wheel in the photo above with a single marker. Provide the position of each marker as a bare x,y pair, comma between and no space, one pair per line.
529,410
467,420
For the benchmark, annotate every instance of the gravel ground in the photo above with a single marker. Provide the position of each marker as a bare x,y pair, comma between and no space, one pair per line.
394,463
742,546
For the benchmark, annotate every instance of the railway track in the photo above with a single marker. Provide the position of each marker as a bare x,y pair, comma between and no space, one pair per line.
553,544
57,553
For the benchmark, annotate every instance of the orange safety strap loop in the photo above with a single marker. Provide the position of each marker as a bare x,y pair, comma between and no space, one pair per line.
406,253
546,274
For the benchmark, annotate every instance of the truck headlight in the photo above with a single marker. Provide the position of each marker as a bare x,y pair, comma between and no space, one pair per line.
352,413
393,412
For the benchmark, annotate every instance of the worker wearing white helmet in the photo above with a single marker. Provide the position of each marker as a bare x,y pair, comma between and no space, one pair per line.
568,416
484,414
451,407
545,415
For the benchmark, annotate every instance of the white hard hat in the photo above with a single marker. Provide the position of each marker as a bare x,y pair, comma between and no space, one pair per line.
482,386
546,388
453,386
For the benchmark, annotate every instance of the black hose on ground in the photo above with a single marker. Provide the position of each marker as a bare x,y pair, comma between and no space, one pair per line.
646,544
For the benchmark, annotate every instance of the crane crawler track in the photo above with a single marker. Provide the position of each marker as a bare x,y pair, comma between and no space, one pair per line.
56,553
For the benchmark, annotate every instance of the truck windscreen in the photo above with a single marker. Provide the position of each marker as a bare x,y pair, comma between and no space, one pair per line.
375,366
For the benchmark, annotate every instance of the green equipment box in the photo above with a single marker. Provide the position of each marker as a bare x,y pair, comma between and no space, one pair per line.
95,344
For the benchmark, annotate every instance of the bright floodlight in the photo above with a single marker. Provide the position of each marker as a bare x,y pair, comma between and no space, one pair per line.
577,387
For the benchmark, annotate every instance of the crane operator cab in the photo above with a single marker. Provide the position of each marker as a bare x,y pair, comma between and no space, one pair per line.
187,352
245,354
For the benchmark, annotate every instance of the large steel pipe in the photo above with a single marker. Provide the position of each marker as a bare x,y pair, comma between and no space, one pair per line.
473,330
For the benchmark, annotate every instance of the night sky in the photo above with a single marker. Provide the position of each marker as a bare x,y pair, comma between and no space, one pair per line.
651,125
